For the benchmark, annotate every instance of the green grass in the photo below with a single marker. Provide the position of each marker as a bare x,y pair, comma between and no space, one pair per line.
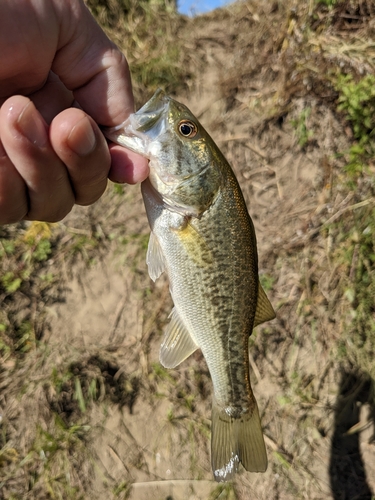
300,125
357,101
356,253
224,492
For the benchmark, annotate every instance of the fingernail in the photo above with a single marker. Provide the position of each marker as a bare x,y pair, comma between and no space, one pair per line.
82,139
32,126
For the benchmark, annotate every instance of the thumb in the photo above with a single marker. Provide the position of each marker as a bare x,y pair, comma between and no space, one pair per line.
92,66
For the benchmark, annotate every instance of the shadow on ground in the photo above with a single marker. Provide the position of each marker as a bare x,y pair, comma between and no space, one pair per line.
347,472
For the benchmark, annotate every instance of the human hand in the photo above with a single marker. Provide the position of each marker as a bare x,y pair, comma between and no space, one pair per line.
55,59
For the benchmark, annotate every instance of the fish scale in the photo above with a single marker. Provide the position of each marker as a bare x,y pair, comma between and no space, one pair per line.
203,238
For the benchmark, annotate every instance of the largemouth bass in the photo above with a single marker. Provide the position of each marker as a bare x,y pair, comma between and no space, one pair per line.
203,238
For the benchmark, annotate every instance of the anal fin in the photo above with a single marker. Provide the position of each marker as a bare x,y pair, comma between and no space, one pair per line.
177,344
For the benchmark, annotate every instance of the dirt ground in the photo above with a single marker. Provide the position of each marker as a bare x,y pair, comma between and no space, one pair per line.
128,427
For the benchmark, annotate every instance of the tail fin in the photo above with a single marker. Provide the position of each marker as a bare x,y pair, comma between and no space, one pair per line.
234,441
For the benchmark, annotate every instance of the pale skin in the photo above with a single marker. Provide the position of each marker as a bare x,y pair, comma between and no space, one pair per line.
60,76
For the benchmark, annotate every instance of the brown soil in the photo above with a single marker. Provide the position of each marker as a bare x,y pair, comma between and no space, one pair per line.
149,427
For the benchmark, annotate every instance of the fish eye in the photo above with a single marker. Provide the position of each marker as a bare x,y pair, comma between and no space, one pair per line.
187,128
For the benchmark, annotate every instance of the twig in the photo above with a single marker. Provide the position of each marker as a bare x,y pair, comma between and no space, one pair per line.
172,482
254,367
245,139
118,314
339,213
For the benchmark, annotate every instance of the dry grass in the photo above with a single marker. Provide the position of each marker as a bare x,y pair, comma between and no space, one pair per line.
86,409
148,33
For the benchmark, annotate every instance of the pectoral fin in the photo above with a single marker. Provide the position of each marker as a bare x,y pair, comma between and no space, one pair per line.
264,311
177,344
154,258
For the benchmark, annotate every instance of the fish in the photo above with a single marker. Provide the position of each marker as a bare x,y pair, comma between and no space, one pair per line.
203,238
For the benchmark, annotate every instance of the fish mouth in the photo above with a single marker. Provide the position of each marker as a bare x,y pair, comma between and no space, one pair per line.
140,128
